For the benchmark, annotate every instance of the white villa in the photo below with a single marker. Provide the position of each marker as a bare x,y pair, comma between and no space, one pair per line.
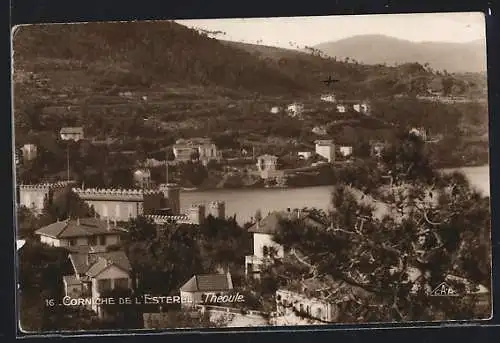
328,98
96,272
326,148
84,232
264,247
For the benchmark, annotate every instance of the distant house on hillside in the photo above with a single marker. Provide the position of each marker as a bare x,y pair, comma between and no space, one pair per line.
275,109
377,148
142,178
326,148
319,130
29,152
295,109
341,108
345,150
203,149
72,133
328,98
305,154
419,132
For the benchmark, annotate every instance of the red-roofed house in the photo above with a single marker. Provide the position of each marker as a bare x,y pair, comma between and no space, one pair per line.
264,247
80,232
199,287
96,272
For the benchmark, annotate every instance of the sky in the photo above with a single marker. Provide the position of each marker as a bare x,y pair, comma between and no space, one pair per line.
440,27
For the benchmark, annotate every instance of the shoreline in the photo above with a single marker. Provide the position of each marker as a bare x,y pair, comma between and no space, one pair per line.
211,189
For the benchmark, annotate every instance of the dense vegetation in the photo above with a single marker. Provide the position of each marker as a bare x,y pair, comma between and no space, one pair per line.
438,225
179,84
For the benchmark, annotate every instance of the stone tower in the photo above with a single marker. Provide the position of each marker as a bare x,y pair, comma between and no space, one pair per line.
217,209
196,214
171,192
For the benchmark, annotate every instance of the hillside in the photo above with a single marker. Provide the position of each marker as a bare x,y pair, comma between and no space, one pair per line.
380,49
147,84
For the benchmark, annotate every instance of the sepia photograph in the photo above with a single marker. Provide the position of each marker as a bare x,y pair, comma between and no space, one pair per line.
259,172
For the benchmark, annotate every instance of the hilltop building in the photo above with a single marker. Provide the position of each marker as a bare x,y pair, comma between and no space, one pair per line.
97,272
72,133
84,232
202,149
35,196
326,148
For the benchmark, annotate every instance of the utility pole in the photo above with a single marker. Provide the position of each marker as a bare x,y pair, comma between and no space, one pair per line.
166,167
67,160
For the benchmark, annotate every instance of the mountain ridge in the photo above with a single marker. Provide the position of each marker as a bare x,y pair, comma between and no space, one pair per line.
383,49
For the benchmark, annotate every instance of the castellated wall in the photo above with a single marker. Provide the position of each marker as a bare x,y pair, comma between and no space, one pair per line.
122,204
33,196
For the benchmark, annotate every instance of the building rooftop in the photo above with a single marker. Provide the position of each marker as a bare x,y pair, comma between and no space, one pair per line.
83,227
92,264
268,157
71,280
208,283
271,224
72,130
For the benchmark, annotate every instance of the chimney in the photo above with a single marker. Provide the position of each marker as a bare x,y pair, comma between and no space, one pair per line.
78,221
298,213
114,221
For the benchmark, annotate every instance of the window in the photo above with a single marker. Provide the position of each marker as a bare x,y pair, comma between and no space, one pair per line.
102,240
265,251
93,240
72,242
103,285
121,283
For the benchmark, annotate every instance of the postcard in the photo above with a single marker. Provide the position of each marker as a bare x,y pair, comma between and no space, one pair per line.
265,172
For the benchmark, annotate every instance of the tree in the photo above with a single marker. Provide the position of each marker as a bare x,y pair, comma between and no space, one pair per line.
447,83
140,229
431,230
